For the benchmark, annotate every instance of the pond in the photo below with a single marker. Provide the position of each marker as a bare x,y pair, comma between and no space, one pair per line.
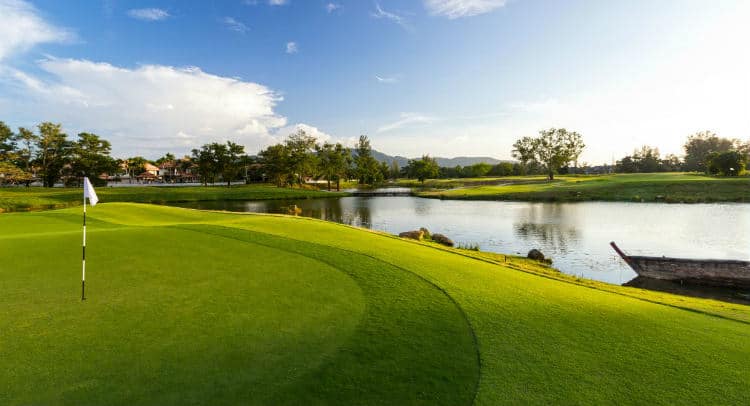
575,235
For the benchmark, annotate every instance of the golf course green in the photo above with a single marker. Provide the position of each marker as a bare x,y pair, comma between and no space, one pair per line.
640,187
190,307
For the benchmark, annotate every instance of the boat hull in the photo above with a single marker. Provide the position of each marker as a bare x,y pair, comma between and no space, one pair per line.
715,272
709,272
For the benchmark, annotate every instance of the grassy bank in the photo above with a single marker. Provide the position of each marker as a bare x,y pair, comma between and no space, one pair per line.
190,307
26,199
663,187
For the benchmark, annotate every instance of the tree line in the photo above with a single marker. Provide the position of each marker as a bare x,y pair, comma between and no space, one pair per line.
46,154
704,152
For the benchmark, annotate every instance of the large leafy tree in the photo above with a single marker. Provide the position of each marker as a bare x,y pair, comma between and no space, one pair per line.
91,157
553,149
366,168
53,152
424,168
231,161
302,161
700,145
275,161
333,161
730,163
216,159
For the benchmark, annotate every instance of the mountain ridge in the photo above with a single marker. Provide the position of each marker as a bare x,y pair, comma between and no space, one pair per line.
443,162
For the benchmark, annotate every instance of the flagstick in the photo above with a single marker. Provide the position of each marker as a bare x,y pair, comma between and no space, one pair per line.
83,261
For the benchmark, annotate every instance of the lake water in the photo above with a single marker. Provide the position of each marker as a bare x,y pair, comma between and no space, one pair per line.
575,235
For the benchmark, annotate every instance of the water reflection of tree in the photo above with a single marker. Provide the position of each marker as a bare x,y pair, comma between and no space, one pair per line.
358,214
550,223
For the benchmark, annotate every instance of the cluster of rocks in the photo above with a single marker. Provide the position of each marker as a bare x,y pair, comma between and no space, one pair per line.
424,234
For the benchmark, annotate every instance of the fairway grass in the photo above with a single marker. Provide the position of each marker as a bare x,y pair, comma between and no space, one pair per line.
190,307
14,199
651,187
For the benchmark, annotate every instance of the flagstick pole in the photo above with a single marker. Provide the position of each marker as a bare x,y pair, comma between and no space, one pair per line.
83,259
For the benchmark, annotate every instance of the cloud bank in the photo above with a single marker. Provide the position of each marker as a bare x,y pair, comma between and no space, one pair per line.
150,109
21,28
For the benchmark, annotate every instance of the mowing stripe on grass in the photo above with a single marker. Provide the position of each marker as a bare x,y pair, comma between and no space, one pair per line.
326,254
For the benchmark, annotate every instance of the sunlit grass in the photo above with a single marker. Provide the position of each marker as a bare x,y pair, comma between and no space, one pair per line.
663,187
191,307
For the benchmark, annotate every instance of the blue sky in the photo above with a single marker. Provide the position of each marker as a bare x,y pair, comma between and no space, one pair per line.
444,77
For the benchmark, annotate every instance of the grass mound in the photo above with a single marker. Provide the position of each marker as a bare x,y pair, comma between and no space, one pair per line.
190,307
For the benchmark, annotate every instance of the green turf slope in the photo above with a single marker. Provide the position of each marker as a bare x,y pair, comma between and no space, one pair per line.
188,307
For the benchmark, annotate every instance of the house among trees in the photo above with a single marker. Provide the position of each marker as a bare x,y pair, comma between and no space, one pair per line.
178,171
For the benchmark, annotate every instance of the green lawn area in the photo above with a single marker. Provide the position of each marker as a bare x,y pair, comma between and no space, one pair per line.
657,187
25,199
189,307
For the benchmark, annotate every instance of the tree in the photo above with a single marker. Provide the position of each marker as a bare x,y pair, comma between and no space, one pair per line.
553,149
627,165
135,166
333,161
168,157
302,160
502,169
395,170
11,174
7,142
367,168
275,161
231,162
216,159
28,140
478,169
425,168
90,157
700,145
53,152
648,159
730,163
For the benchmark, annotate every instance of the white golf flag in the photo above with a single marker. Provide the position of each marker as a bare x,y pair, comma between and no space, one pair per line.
88,191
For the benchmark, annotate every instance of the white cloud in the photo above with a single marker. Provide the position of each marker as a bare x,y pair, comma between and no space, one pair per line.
407,119
234,25
462,8
148,110
148,14
21,28
331,7
291,47
278,2
282,133
380,13
387,79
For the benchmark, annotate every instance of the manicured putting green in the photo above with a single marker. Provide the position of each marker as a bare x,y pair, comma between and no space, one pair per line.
190,307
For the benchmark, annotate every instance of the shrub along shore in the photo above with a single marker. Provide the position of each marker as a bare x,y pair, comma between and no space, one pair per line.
187,306
656,187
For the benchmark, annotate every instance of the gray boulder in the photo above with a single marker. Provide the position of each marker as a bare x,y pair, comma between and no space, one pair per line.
441,239
414,234
536,255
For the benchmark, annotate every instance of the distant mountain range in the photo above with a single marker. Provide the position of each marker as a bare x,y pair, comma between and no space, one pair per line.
443,162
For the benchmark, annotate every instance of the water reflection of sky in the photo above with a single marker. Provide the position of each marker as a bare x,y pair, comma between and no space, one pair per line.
575,235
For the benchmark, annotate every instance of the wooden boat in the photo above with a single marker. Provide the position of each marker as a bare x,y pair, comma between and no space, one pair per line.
715,272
